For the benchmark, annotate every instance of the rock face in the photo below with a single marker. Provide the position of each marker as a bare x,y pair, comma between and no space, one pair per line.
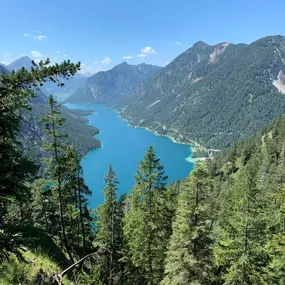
213,95
112,85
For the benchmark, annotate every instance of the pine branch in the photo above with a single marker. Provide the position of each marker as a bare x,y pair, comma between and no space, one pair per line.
56,279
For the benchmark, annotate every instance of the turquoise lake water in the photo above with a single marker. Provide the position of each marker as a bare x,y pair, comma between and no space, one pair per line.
123,147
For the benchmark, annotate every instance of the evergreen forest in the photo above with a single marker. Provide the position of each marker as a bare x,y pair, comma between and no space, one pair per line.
223,224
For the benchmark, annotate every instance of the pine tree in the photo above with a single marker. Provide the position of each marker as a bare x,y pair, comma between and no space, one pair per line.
108,227
57,164
275,213
189,256
147,224
82,192
241,230
16,91
75,193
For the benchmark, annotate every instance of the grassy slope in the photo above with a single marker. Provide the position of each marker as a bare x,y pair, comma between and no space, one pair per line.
27,273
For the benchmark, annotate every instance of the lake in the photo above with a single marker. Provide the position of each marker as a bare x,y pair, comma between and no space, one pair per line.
123,147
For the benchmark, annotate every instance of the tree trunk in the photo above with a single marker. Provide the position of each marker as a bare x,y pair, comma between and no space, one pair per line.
80,211
149,215
59,188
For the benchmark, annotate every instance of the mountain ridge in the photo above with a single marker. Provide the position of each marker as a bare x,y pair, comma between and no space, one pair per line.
212,94
111,85
70,85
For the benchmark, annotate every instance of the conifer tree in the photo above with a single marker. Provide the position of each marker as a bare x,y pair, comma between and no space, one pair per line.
75,193
82,192
16,91
109,233
57,163
189,256
147,223
241,230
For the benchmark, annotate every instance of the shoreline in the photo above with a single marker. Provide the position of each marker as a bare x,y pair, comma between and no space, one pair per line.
191,145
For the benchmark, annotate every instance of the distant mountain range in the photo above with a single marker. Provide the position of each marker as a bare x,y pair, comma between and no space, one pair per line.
2,68
17,64
114,84
70,85
213,94
210,95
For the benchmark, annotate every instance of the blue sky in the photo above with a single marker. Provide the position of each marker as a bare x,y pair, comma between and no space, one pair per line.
101,33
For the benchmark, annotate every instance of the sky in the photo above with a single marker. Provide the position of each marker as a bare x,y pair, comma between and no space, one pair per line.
103,33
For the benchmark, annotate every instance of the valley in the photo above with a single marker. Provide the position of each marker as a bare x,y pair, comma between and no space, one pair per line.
142,144
123,146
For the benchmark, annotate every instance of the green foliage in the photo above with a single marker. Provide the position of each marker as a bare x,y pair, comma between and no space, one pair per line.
213,95
242,230
147,224
114,84
109,229
224,224
16,90
189,255
36,270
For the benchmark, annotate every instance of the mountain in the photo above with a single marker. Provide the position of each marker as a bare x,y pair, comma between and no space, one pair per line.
70,84
17,64
114,84
213,95
80,135
3,68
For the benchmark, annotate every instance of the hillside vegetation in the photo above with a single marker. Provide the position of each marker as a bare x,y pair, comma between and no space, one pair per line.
114,84
213,95
31,135
223,224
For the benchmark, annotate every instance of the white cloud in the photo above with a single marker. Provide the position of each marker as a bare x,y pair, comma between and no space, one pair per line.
57,51
37,35
65,55
7,54
106,60
177,43
127,57
148,50
36,54
89,68
41,38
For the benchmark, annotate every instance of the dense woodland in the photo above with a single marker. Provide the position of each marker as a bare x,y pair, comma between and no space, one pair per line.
114,84
224,224
212,94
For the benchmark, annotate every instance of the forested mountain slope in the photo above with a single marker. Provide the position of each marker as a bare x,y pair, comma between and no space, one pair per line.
228,227
213,95
224,224
79,133
114,84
